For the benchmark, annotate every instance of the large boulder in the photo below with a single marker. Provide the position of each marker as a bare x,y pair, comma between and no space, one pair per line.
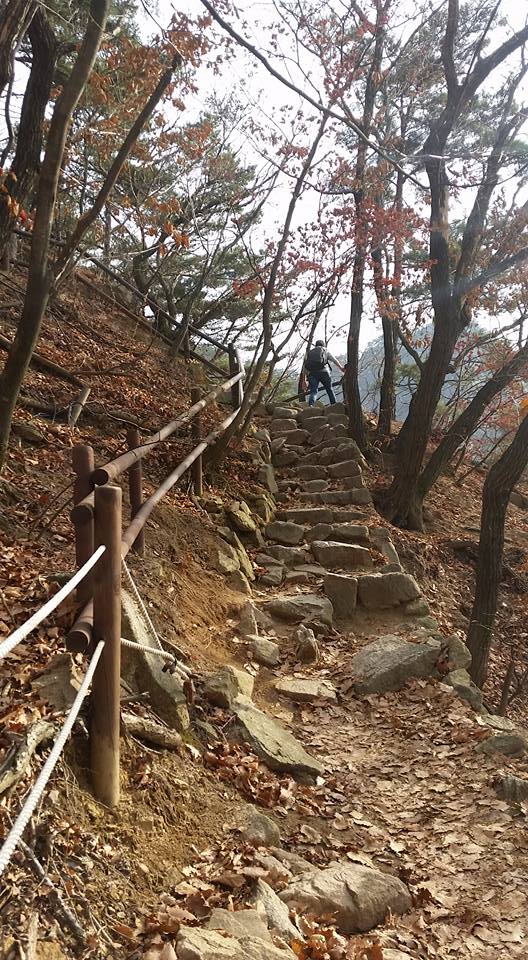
358,897
388,662
285,532
276,746
305,689
299,607
194,943
380,591
342,592
227,685
329,553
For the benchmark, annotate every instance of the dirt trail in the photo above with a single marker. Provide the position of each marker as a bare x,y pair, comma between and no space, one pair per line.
406,790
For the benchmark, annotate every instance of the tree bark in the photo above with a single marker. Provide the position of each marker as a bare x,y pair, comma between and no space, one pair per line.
14,22
387,408
464,425
26,162
38,285
501,479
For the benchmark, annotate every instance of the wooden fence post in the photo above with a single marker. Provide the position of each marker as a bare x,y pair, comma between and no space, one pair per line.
77,406
233,370
104,730
135,486
196,430
83,464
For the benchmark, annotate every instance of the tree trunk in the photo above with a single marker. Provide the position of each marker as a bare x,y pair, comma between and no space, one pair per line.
26,162
14,22
501,479
38,285
355,412
401,503
387,408
464,425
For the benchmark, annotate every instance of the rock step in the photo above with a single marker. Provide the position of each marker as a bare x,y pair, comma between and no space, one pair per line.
356,496
342,555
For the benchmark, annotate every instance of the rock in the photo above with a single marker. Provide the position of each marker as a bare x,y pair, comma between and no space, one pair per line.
310,515
359,897
239,923
29,433
347,555
273,576
266,476
458,653
321,531
285,532
347,468
315,486
252,618
59,684
226,560
307,649
297,576
304,606
353,483
295,437
193,943
144,671
379,591
281,413
277,915
273,744
509,744
296,865
226,686
312,569
289,556
465,688
285,459
384,544
280,425
264,651
278,443
312,472
388,662
262,434
342,592
304,690
417,608
212,504
360,495
240,516
348,533
512,788
347,516
499,723
428,624
261,831
306,413
239,583
263,504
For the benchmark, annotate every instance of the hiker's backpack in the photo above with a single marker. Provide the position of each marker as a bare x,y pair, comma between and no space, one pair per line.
316,360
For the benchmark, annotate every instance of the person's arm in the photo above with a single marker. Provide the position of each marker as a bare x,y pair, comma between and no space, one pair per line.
336,363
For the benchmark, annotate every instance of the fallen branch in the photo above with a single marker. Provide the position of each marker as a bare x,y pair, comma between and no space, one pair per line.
69,921
41,363
151,732
19,755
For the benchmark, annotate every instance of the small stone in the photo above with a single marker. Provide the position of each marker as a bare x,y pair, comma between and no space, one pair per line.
465,688
240,515
226,560
417,608
225,687
458,653
315,486
297,576
287,533
389,662
261,831
305,690
272,742
239,923
379,591
289,556
280,425
273,576
296,865
512,788
264,651
349,533
299,607
347,555
358,897
347,468
294,437
266,476
281,413
321,531
509,744
277,915
195,943
239,583
342,592
307,649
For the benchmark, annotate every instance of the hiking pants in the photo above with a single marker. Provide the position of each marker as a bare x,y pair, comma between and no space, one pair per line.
323,378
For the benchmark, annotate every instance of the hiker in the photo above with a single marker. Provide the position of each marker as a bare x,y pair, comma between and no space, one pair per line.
316,365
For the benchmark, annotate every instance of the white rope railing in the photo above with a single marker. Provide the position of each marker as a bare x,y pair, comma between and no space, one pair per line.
164,654
158,649
13,838
23,631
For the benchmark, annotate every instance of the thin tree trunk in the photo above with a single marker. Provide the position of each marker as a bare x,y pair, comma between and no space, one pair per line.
38,285
355,412
387,408
14,22
465,423
501,480
26,161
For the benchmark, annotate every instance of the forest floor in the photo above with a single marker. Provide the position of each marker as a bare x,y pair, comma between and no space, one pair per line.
404,788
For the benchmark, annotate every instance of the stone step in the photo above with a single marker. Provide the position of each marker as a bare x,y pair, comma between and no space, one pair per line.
313,486
289,556
311,472
299,607
278,427
342,497
346,468
381,591
349,556
307,515
305,690
285,532
341,590
294,436
284,413
285,458
326,432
